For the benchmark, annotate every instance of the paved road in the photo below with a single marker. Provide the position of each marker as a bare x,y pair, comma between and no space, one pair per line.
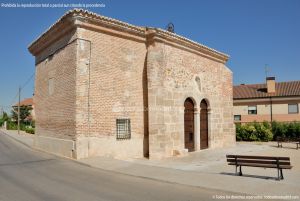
29,175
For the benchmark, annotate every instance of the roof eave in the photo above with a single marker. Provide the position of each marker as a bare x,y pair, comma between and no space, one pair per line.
68,22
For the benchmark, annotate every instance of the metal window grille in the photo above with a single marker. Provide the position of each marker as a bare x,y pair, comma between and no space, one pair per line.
123,129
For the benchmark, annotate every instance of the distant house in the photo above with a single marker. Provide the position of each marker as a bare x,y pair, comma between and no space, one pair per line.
267,102
26,102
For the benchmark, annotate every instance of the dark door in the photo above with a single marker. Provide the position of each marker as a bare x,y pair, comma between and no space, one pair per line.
203,125
189,124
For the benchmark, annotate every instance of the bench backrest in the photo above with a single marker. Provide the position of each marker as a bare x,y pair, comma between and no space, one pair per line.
280,139
258,159
286,139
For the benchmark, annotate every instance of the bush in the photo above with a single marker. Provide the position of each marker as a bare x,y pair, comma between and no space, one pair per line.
12,125
29,130
254,132
1,122
286,130
239,130
3,118
266,131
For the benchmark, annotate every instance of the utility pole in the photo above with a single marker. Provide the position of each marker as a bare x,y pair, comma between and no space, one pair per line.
19,110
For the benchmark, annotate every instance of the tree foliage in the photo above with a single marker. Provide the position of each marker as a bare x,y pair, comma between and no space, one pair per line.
4,118
24,113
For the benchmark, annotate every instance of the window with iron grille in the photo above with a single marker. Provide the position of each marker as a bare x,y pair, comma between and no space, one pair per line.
123,129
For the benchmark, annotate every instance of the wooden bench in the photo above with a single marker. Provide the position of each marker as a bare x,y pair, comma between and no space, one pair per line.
281,140
259,161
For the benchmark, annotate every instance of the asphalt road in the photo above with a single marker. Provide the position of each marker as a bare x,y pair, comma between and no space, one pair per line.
30,175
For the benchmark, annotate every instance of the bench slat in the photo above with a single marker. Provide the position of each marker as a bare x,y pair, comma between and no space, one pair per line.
259,161
262,165
259,157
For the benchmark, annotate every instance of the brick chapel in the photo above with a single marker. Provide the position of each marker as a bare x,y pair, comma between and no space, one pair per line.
108,88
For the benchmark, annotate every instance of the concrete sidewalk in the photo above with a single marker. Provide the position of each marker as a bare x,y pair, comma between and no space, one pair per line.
23,137
208,169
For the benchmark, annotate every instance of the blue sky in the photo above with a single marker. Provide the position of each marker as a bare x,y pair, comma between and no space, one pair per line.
253,32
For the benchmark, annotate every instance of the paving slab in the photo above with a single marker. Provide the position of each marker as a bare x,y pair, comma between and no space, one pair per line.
209,169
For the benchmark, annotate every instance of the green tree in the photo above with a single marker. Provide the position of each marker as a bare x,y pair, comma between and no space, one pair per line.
4,118
24,113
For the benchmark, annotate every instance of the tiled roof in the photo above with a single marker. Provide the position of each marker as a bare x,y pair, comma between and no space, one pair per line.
27,101
92,15
282,89
87,13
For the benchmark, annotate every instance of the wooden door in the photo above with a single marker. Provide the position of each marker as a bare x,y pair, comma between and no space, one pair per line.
189,125
203,125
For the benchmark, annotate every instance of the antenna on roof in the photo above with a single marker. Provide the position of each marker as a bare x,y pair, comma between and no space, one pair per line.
170,27
267,69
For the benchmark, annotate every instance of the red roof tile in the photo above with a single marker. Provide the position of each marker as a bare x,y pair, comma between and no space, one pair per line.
26,101
282,89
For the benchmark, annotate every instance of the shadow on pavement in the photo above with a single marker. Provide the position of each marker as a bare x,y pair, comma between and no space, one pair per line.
251,176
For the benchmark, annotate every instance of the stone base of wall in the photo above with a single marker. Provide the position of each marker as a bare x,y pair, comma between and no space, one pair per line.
109,147
226,141
85,147
229,141
61,147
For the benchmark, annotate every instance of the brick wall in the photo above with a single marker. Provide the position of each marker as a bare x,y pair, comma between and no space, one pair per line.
279,110
103,73
115,90
55,113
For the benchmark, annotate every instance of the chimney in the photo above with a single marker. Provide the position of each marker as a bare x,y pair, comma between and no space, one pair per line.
270,84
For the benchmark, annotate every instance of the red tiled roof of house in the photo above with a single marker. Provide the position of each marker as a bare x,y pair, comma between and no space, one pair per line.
282,89
26,101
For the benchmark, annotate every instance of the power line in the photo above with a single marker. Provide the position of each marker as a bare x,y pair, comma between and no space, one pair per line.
28,80
13,101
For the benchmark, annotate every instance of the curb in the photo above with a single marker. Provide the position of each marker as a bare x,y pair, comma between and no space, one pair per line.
106,170
14,138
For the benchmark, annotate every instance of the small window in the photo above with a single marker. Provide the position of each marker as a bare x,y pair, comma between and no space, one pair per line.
293,108
252,109
51,86
237,118
123,129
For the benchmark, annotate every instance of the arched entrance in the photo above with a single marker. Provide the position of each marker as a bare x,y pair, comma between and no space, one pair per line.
203,125
189,125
